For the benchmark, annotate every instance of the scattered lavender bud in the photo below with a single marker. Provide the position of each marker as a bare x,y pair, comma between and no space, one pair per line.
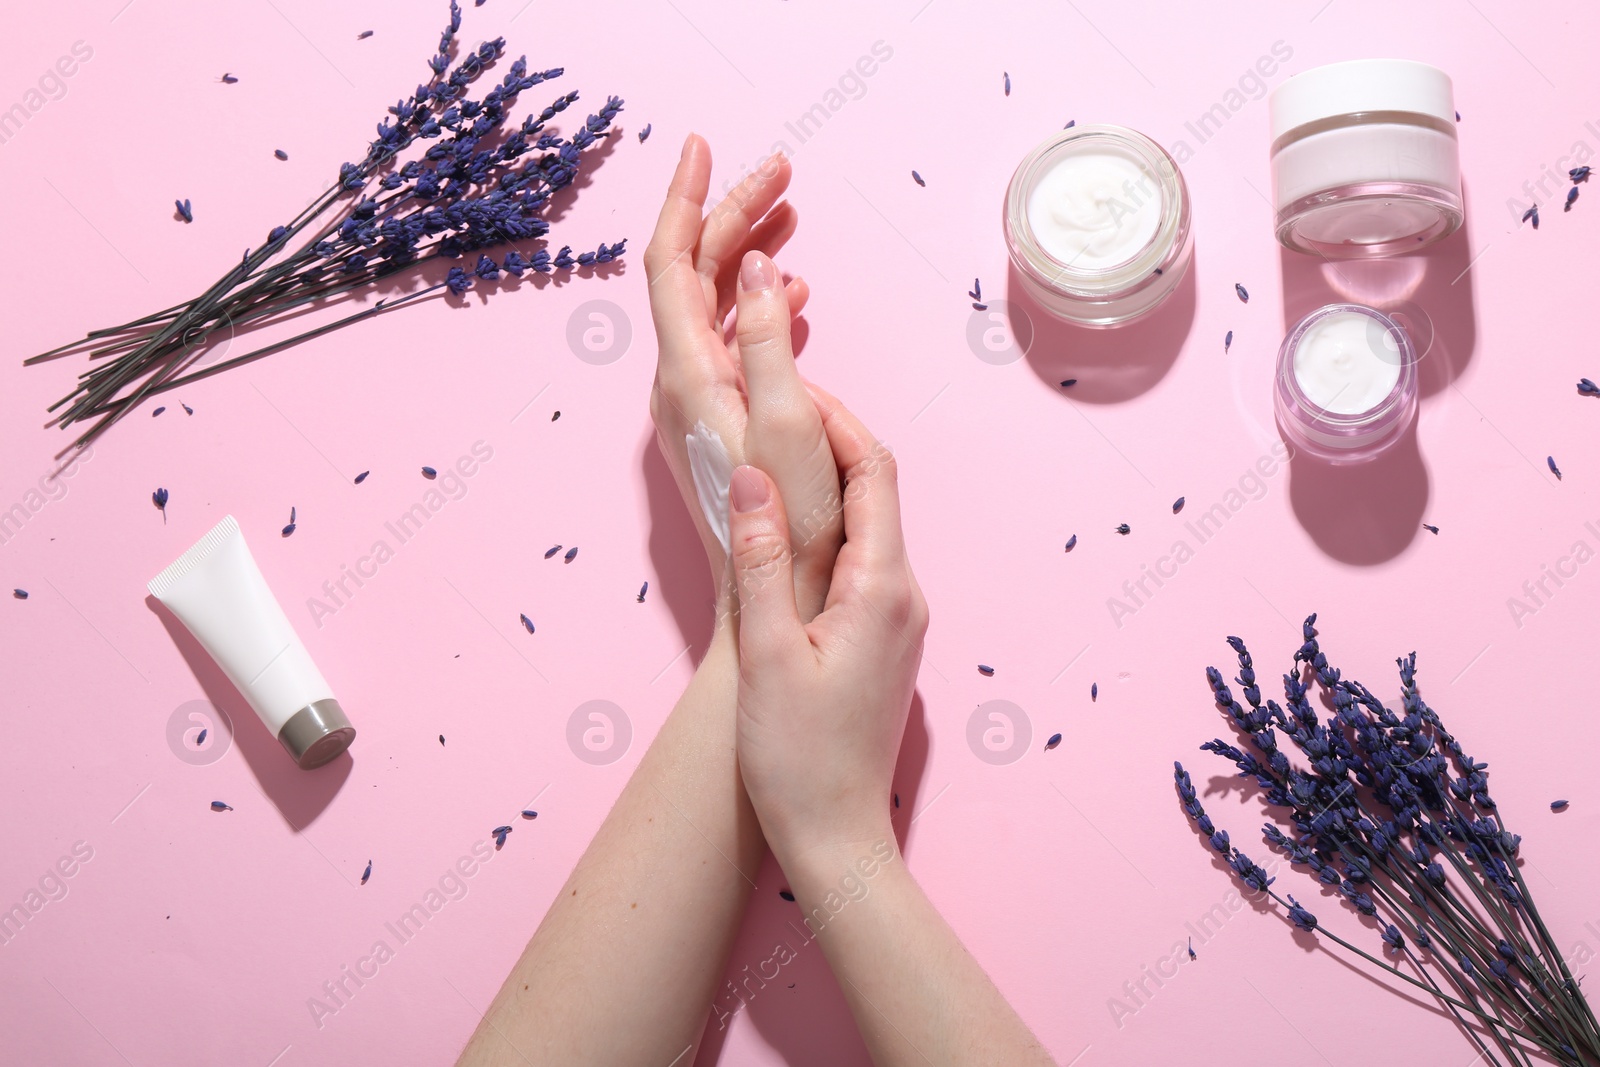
786,895
363,35
499,841
644,134
1124,528
200,738
986,670
1157,271
368,872
1070,123
217,805
1588,388
1192,956
551,551
529,813
527,624
896,798
1244,294
159,498
1458,116
229,79
289,529
979,307
556,416
187,410
1055,739
157,411
1551,460
1578,174
1430,528
1072,542
185,211
1177,505
429,473
280,153
19,594
1094,690
1532,215
1558,805
498,830
362,477
977,290
441,740
1008,82
643,589
572,554
1227,342
918,179
1572,194
1068,383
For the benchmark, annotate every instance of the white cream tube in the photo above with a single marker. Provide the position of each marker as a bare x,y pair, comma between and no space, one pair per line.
217,591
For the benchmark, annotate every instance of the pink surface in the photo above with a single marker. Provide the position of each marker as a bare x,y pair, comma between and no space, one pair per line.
190,937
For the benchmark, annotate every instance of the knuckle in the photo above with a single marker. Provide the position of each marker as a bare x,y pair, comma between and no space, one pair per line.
761,556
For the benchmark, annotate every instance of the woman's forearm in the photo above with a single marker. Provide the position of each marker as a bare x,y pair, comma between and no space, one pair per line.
625,965
917,995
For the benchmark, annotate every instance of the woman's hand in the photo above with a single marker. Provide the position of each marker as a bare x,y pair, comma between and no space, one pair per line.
822,704
745,389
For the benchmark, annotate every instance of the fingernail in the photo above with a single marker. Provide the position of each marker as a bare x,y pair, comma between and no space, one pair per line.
747,490
757,272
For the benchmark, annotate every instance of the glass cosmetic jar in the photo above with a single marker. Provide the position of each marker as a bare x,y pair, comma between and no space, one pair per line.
1097,225
1346,384
1364,158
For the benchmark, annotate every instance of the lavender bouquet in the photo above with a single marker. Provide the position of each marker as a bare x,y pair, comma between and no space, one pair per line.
480,185
1393,816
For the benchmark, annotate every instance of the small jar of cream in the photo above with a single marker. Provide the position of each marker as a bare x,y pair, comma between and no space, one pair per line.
1365,158
1097,225
1346,384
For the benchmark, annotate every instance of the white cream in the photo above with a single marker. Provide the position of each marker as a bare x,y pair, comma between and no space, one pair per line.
712,472
1094,209
1346,363
217,591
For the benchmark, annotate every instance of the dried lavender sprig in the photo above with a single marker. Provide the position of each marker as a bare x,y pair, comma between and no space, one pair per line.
1250,724
1224,699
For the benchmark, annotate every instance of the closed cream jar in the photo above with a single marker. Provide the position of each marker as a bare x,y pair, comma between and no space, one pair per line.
1365,160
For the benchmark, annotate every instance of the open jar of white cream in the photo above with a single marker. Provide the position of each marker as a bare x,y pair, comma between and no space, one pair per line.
1365,158
1346,383
1097,225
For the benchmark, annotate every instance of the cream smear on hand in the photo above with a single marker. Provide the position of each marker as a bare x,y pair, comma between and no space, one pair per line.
712,472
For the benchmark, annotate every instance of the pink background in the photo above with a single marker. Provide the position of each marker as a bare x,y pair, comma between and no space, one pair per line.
191,937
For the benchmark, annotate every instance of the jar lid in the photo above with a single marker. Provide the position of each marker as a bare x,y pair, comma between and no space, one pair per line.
1361,85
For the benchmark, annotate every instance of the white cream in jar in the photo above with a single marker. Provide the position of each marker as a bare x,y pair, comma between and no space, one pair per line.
1345,366
1097,225
1085,210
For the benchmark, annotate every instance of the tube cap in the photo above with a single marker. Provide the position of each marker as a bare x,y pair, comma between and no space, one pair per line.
1361,85
317,733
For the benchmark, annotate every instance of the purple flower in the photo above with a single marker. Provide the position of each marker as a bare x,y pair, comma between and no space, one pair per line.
1301,917
185,211
458,281
487,269
514,263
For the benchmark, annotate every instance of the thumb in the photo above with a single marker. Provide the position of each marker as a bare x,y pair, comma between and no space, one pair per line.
762,568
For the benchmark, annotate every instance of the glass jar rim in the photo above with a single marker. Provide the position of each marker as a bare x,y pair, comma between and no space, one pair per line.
1147,265
1355,425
